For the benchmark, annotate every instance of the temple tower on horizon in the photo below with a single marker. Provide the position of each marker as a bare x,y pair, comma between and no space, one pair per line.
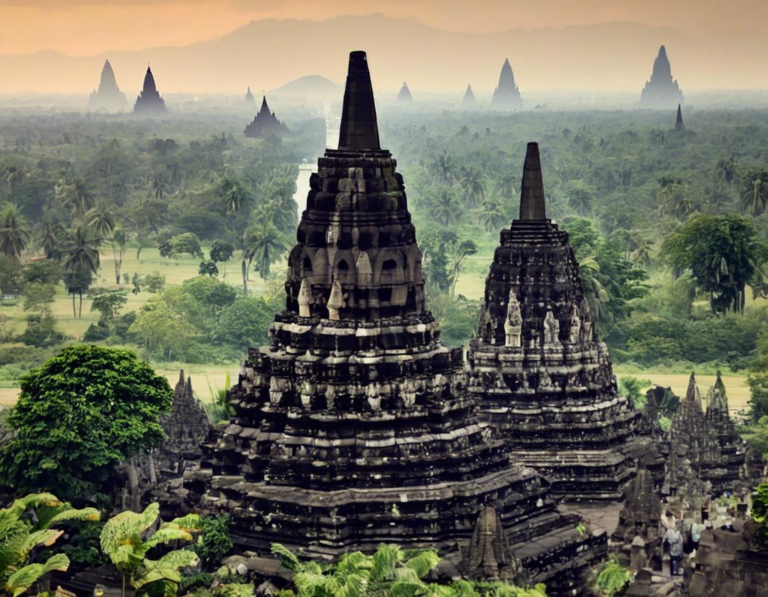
149,102
108,96
265,123
661,90
506,95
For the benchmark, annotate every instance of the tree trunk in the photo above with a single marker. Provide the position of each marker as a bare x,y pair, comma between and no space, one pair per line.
133,486
152,472
245,277
74,308
138,252
80,307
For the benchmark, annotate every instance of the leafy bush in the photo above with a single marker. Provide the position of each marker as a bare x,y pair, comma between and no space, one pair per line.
214,542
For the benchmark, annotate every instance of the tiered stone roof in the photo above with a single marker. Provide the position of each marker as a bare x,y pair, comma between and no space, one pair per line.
661,90
108,96
265,123
149,102
542,378
353,426
506,96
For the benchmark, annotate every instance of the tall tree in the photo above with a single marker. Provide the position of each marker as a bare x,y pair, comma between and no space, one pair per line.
15,233
754,196
100,221
81,262
266,243
724,255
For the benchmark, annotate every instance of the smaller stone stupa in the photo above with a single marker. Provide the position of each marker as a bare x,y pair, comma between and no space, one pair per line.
265,123
469,100
661,91
108,96
507,95
150,102
404,96
249,99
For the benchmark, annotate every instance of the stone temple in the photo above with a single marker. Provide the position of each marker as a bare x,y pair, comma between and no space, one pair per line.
108,96
541,376
249,99
353,427
468,100
404,95
661,91
506,96
149,102
265,123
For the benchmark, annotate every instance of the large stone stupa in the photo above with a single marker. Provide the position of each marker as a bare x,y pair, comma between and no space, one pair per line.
353,426
404,95
540,374
661,91
469,100
149,102
108,96
506,96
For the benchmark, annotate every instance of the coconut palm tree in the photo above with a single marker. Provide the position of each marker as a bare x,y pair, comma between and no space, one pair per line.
491,216
265,244
442,207
100,221
15,233
472,184
81,262
507,185
76,194
755,193
727,170
50,238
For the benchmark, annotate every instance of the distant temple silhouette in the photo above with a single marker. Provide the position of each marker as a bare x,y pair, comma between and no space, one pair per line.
149,102
405,97
469,100
679,124
507,95
249,99
108,96
661,90
265,123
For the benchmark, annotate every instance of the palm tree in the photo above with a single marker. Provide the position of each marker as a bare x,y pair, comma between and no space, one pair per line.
100,221
755,194
491,217
265,244
443,207
50,238
507,185
674,200
234,195
76,194
158,186
472,184
81,261
445,168
727,170
14,177
15,233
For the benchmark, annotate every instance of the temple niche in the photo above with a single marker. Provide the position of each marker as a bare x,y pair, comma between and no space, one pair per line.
353,426
541,377
661,91
506,96
108,96
404,95
265,123
150,102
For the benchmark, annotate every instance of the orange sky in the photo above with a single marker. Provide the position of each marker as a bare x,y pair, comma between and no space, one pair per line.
84,27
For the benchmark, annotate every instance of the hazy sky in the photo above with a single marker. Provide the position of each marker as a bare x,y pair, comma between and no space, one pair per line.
84,27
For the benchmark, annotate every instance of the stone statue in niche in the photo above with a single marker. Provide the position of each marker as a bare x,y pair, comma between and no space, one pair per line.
575,333
513,325
551,329
275,391
305,299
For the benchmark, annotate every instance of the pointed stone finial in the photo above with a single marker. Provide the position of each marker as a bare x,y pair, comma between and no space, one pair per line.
693,393
359,128
679,125
532,206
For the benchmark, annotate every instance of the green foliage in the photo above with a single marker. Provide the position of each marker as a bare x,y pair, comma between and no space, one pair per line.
724,255
758,402
21,534
38,296
208,268
154,282
244,323
41,332
185,243
214,542
221,251
632,388
69,440
611,578
108,303
127,541
389,571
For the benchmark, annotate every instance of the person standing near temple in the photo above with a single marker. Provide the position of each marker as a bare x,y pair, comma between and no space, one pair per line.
674,538
696,529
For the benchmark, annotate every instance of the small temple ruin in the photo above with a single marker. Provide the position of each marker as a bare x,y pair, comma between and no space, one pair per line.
108,96
541,376
506,96
265,123
354,426
661,90
404,95
150,102
468,101
249,99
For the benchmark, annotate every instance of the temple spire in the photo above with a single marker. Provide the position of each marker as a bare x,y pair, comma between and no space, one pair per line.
532,206
679,125
359,128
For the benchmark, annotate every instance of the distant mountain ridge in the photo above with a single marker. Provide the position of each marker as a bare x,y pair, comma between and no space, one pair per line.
266,53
